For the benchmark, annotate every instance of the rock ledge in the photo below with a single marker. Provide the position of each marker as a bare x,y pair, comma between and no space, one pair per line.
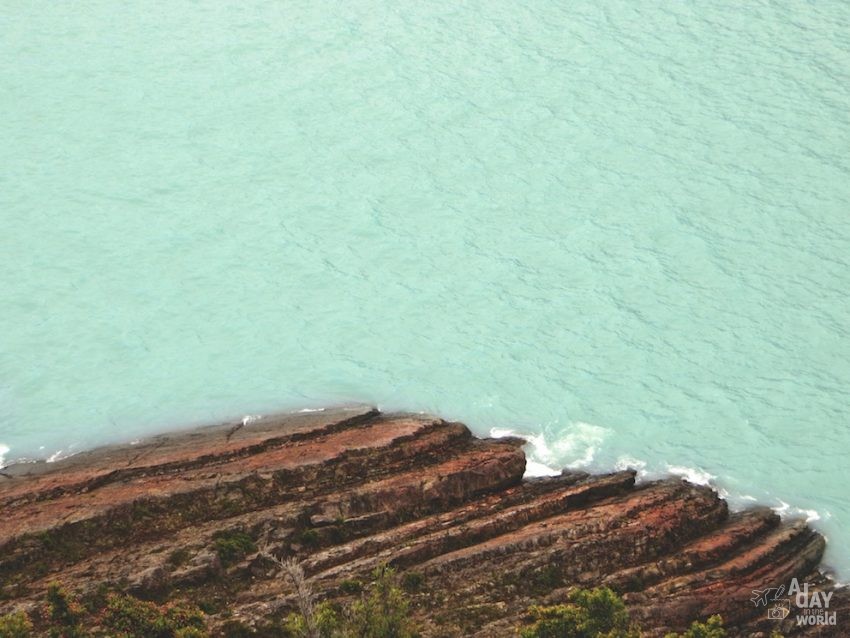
346,489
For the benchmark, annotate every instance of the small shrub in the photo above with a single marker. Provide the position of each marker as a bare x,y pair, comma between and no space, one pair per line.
545,579
384,613
327,623
95,600
134,617
351,586
712,628
600,613
130,616
64,612
232,546
309,537
15,625
54,542
337,533
589,614
185,617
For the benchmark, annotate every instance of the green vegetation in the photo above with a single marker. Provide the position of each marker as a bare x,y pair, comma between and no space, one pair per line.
384,613
57,544
95,600
15,625
309,537
129,616
64,612
412,581
545,580
712,628
597,613
600,613
104,614
351,586
233,545
326,622
381,612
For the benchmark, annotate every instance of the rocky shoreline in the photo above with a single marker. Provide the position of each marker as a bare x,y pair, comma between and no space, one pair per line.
344,490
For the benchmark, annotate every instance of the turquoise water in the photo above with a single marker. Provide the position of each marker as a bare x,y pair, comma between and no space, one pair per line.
622,227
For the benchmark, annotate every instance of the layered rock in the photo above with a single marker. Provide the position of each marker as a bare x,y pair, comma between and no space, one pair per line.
348,489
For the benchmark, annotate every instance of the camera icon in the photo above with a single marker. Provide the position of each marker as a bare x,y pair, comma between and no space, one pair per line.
780,610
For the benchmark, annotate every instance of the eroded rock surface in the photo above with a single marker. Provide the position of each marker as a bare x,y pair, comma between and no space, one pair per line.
347,489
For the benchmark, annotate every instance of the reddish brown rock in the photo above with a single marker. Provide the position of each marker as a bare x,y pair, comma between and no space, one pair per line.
345,490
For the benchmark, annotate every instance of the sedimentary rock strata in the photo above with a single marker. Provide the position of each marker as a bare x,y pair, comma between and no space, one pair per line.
348,489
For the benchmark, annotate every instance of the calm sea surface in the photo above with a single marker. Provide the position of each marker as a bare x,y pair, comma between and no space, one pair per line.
621,227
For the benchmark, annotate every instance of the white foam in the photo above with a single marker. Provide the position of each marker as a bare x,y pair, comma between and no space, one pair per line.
250,418
4,450
579,444
311,410
785,510
693,474
576,448
56,456
533,468
538,449
631,463
535,441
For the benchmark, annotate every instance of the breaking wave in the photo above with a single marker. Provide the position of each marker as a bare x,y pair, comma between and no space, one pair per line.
578,447
575,448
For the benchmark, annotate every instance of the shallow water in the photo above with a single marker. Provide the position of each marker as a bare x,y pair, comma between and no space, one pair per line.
625,230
